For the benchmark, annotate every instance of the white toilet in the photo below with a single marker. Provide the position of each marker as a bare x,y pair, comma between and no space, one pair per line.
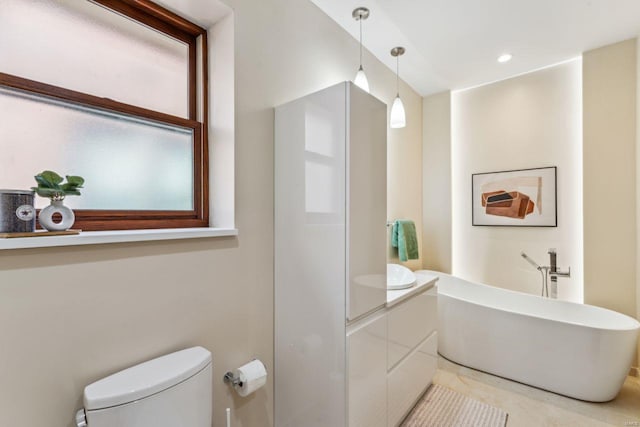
170,391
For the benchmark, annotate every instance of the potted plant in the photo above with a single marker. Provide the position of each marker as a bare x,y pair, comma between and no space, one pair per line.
52,186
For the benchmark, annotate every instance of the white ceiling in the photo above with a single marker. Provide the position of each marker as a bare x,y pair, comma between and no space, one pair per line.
454,44
203,13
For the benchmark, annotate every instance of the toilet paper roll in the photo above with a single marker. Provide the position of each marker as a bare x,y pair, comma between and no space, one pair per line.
252,376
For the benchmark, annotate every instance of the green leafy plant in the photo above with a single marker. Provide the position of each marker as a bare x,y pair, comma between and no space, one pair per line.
51,185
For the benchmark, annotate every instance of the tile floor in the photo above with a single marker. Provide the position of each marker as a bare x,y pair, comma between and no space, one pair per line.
528,406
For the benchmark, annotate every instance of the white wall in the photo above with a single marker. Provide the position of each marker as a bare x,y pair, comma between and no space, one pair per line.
69,316
529,121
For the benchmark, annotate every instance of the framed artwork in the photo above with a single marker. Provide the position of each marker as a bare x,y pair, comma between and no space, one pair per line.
525,198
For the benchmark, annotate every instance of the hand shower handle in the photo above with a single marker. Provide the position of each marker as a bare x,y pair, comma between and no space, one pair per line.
530,261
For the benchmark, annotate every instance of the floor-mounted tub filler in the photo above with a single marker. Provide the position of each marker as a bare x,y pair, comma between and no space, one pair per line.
581,351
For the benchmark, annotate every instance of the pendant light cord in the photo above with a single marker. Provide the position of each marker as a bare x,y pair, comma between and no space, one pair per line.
360,42
398,76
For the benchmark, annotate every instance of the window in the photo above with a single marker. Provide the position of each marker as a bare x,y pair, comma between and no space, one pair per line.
112,90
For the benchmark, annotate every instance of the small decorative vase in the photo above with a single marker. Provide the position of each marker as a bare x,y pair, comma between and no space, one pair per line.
56,207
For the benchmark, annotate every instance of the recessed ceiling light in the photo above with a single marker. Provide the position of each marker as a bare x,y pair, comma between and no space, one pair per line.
506,57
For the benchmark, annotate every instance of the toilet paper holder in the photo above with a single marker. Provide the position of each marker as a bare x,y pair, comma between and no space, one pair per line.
234,380
247,378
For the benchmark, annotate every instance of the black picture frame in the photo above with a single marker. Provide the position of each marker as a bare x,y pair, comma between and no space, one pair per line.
515,198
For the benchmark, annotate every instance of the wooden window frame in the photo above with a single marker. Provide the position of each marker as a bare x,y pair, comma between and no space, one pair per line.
166,22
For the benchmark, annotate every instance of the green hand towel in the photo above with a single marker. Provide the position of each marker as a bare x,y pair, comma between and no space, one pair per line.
403,237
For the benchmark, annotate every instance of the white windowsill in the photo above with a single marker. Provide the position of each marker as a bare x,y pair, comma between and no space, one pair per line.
119,236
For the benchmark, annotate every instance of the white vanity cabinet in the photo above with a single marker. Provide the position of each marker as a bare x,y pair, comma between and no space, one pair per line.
392,357
345,355
412,352
330,259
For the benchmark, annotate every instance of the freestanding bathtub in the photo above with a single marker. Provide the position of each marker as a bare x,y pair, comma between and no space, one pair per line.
576,350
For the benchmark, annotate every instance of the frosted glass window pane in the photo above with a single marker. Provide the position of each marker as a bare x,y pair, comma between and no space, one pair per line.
81,46
127,163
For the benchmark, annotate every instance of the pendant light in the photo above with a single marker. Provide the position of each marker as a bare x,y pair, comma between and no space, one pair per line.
360,14
398,117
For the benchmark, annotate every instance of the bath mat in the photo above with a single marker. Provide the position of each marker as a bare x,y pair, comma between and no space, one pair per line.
442,407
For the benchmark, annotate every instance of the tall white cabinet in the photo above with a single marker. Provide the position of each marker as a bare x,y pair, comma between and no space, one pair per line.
330,260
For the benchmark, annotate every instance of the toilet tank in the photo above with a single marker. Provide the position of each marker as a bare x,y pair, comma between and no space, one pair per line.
170,391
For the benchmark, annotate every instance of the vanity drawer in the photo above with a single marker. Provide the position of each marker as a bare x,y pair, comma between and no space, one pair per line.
367,373
407,381
409,323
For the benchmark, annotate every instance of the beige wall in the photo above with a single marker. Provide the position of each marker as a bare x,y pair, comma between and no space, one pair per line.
637,364
525,122
609,90
404,173
436,182
610,232
610,162
69,316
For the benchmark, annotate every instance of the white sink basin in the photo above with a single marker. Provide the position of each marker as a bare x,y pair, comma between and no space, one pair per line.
399,277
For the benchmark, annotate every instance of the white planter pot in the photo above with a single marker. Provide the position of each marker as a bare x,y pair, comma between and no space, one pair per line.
56,207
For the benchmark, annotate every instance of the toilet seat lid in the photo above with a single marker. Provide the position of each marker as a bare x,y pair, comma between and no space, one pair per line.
145,379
